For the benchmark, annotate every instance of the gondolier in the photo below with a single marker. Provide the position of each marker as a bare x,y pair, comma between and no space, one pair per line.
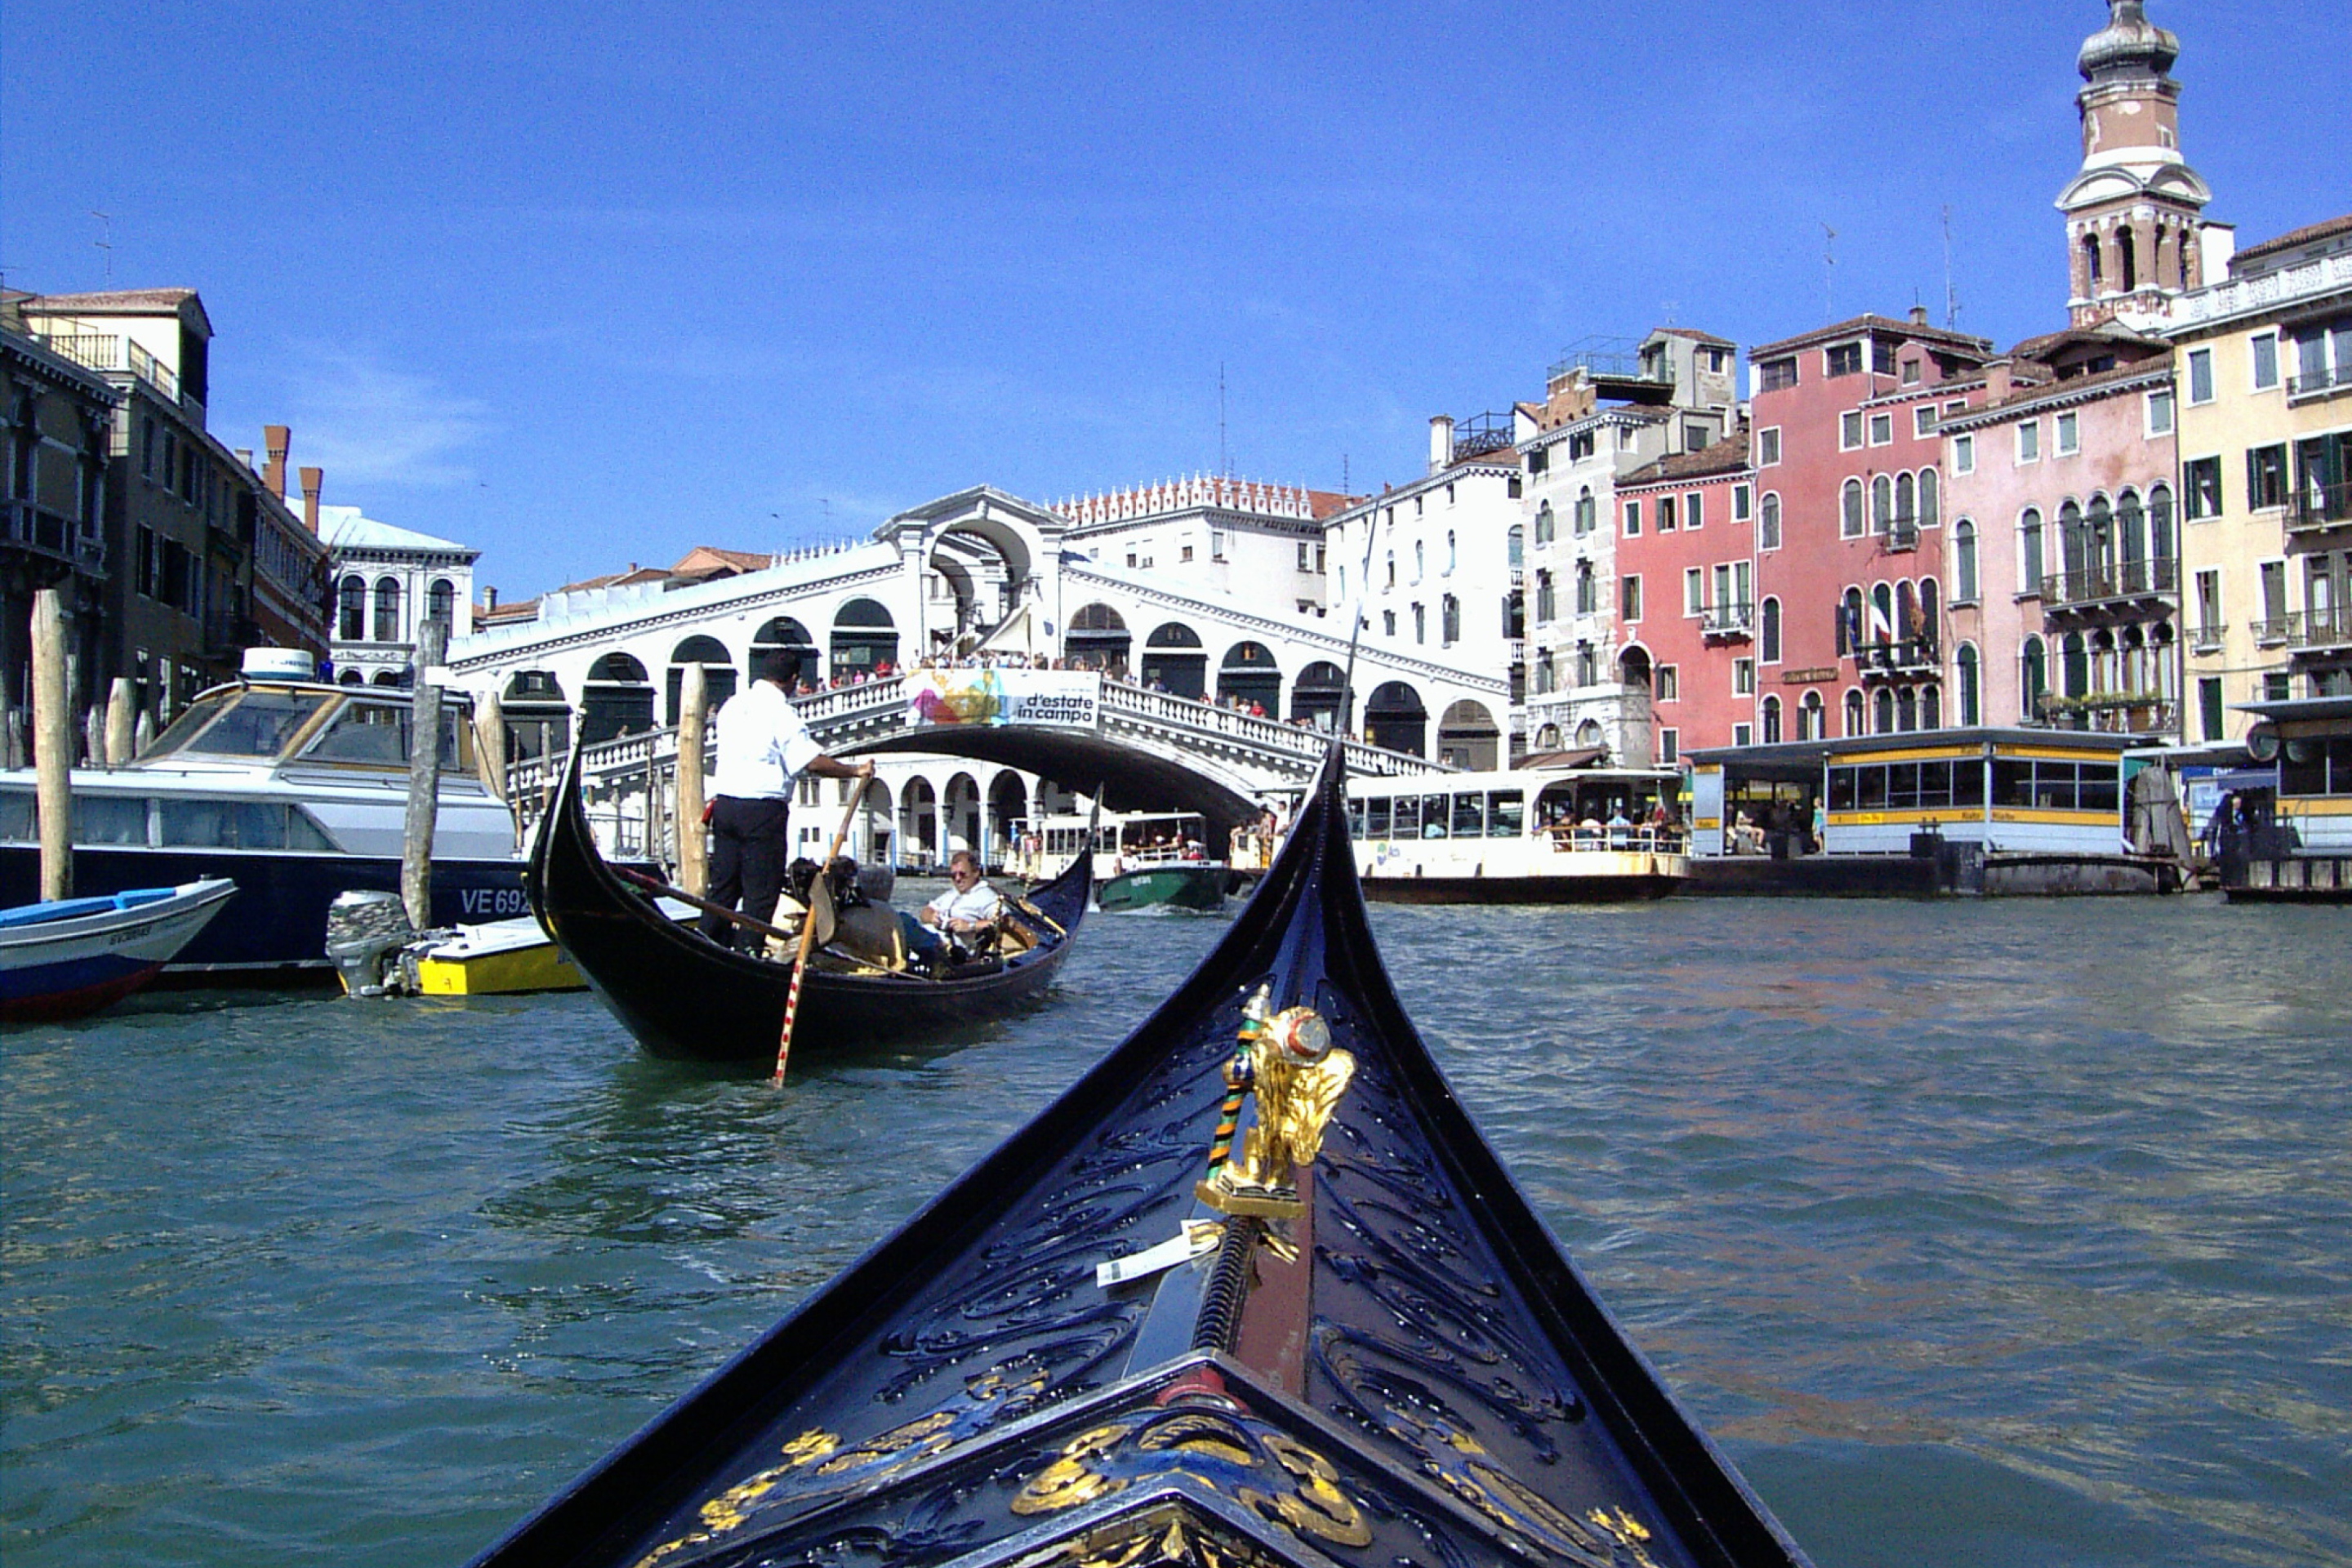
763,748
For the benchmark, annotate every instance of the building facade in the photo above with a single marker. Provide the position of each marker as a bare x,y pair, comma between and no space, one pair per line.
53,534
1694,636
388,582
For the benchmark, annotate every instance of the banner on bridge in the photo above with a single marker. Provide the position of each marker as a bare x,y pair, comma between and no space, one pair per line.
1067,700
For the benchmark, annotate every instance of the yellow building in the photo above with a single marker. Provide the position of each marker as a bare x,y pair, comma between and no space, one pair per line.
2263,361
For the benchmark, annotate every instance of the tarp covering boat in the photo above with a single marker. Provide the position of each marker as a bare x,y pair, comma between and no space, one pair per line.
1308,1320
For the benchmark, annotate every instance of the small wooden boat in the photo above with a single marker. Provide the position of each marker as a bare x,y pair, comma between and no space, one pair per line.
1198,885
70,957
1164,1324
683,996
502,958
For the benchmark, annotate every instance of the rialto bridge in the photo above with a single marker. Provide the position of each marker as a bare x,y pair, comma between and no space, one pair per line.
982,569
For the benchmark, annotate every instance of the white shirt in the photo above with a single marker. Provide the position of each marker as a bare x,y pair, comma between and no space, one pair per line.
977,902
762,744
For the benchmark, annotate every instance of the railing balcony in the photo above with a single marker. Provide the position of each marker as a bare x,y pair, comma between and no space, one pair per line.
2320,631
2270,630
2315,507
1728,623
2325,384
110,352
2109,712
1903,534
1907,658
2209,638
53,534
2115,584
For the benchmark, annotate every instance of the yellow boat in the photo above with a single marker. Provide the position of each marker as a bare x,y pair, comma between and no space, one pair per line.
503,958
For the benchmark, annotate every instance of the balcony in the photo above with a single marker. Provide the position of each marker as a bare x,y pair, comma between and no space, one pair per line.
1728,623
2325,384
105,351
2109,713
2209,638
2316,631
1902,534
51,534
1908,659
2122,583
2316,508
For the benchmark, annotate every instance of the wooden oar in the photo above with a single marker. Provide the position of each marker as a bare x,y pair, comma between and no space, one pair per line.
808,928
656,885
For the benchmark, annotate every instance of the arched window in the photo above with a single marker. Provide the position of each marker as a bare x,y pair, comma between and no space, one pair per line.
1771,719
1882,613
2131,530
1545,524
1587,512
1768,522
2029,552
350,609
441,600
1854,725
1930,621
1812,721
1964,561
2099,539
2159,525
1931,501
1881,504
1420,561
1907,612
387,609
2072,556
2074,666
1586,593
1769,633
1515,541
1907,710
1546,605
2033,677
1449,620
1885,707
1971,686
1850,623
1849,510
1451,559
1391,565
1906,501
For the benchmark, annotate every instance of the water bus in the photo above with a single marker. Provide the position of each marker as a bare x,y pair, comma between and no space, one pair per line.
2294,847
1520,835
295,790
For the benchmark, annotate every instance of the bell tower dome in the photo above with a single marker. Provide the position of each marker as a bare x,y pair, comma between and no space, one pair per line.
2134,208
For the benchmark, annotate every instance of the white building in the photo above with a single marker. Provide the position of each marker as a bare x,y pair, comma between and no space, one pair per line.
388,581
1262,543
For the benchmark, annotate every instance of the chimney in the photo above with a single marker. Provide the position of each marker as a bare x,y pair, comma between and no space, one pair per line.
490,600
1998,381
313,480
276,438
245,456
1918,315
1441,441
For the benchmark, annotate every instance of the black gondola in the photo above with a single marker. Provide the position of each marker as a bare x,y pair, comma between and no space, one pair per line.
684,996
1401,1368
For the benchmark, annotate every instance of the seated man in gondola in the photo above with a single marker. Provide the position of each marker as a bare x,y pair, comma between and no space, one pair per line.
970,909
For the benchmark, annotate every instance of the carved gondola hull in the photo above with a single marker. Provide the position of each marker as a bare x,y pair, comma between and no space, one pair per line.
683,996
1405,1369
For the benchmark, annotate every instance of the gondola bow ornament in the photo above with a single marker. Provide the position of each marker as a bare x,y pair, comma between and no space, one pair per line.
1401,1368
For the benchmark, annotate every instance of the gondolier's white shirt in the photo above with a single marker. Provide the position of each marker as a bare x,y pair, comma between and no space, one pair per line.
762,744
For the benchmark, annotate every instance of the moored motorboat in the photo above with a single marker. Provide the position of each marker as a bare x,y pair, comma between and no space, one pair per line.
1254,1291
501,958
1197,885
69,957
683,996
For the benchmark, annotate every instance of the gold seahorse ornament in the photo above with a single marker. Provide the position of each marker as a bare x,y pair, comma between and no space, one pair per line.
1298,1079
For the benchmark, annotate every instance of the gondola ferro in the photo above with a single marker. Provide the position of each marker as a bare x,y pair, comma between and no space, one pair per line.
683,996
1253,1292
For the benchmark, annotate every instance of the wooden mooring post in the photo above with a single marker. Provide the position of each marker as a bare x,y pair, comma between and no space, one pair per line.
53,747
693,846
423,773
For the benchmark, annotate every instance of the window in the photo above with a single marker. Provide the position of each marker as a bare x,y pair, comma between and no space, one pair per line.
2274,581
1844,360
1420,624
1665,514
1931,498
1923,420
1305,554
2209,705
2201,375
1971,686
1546,605
351,603
1587,664
1216,544
2070,436
1854,725
2203,478
1850,523
1767,522
1453,558
1849,430
1964,454
1588,511
441,600
1882,357
1693,509
1546,525
2266,376
1387,623
1768,446
1771,719
1743,734
1391,566
1667,684
1742,503
2029,441
1420,561
1633,518
1777,374
1964,563
2159,412
1768,640
1910,372
387,610
1881,503
1449,620
1587,591
1694,590
2029,555
1743,677
2208,629
2265,478
1670,745
1882,429
1628,597
1184,552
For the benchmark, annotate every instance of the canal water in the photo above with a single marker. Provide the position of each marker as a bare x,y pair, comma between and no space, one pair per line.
2003,1233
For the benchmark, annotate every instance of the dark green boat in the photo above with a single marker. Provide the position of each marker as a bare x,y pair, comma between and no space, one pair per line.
1181,884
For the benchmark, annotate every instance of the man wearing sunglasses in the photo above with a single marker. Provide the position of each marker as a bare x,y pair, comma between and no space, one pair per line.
968,908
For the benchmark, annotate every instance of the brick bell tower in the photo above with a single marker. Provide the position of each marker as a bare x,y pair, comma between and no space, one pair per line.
2134,210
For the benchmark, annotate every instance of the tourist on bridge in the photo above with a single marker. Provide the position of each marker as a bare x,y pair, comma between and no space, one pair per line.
763,748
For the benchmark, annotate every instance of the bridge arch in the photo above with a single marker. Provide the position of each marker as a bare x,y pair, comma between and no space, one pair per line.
960,814
1008,803
1467,736
786,636
1173,657
718,674
1395,717
1319,696
918,823
1249,674
865,638
1099,640
616,699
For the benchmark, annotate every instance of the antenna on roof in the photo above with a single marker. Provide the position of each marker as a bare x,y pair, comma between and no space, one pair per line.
1829,273
1224,463
1343,473
1951,294
105,241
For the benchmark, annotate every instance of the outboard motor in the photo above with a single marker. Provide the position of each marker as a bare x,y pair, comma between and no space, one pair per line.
365,932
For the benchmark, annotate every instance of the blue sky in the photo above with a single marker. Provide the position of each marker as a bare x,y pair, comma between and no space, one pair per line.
591,284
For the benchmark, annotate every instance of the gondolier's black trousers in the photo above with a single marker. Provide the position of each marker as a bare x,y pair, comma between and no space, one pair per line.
750,848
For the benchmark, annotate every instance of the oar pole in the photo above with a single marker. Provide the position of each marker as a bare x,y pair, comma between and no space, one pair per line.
808,925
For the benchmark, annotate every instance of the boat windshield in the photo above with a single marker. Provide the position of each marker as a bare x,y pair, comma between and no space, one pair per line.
376,733
242,724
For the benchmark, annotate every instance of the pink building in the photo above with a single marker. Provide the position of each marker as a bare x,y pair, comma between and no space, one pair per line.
1847,450
1690,626
2063,565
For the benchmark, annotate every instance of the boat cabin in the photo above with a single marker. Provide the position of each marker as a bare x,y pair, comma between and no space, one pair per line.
2308,741
1122,842
1519,835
